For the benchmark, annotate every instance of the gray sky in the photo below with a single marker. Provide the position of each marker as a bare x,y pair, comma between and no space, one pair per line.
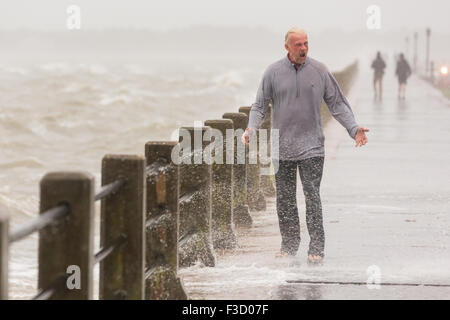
277,15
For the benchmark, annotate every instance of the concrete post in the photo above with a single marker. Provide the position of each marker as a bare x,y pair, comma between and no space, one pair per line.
66,247
241,214
255,196
195,243
223,234
4,247
123,214
162,282
267,182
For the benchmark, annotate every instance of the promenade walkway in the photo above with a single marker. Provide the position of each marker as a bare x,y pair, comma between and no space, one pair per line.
386,209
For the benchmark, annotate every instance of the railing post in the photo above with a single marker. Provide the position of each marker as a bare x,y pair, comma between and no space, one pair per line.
123,214
66,247
162,175
267,181
195,202
223,234
241,214
255,196
4,247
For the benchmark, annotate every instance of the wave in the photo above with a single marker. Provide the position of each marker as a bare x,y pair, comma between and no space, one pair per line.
231,78
14,70
29,162
64,68
20,209
121,98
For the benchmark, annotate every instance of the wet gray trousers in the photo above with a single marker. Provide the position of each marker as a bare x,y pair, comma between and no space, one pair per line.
286,184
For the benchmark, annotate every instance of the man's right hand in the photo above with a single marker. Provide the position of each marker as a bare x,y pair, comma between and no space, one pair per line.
246,136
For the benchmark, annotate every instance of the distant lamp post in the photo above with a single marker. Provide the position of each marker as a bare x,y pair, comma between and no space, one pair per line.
416,35
407,48
427,67
432,71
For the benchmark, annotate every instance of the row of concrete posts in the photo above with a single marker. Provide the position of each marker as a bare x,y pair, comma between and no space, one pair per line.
156,216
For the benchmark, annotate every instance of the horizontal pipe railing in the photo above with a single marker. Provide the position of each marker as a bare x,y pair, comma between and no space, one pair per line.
48,292
54,214
109,189
108,250
45,219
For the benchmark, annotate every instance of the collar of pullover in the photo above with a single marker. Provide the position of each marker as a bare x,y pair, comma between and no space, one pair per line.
293,65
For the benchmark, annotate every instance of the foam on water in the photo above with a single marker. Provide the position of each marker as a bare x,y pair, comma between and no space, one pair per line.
27,162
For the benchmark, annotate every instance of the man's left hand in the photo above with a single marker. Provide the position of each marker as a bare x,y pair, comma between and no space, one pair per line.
360,137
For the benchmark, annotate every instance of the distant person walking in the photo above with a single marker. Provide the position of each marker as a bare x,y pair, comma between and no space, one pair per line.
403,71
296,84
378,65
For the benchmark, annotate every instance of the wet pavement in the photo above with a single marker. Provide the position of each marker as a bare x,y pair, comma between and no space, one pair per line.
386,210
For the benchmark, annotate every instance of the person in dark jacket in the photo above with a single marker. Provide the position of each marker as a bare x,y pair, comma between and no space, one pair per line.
403,71
378,65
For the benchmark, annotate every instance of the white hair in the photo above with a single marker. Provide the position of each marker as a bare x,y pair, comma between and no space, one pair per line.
293,30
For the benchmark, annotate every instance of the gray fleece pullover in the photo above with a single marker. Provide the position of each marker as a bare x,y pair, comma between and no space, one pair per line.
296,98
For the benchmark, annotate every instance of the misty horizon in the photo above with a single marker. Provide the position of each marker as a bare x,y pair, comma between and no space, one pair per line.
278,17
139,30
337,47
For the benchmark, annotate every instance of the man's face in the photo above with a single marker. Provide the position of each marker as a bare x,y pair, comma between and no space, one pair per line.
297,46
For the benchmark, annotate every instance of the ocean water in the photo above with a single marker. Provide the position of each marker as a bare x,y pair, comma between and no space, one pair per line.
67,116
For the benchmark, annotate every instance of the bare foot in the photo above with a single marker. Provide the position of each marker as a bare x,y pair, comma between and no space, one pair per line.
281,254
314,259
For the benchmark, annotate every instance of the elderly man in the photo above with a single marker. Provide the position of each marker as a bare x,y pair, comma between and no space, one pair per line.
296,85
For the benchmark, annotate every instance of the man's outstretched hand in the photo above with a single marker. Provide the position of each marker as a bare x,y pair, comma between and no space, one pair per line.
246,136
360,137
